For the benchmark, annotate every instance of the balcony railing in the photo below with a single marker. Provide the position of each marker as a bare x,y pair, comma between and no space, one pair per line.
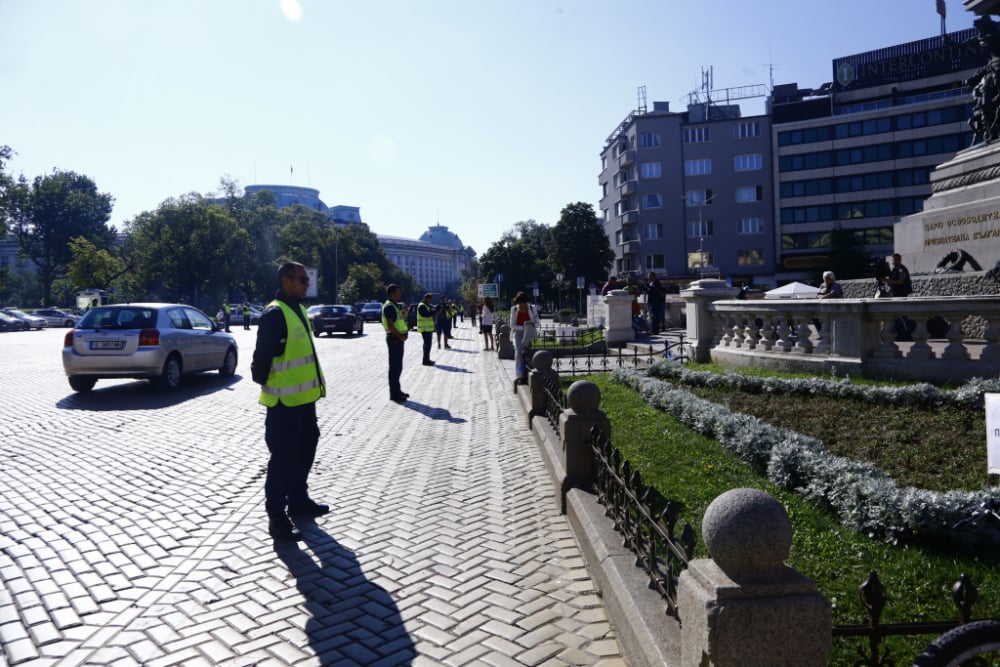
630,217
626,158
630,248
628,188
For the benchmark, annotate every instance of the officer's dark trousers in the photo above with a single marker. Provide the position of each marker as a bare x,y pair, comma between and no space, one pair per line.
395,364
428,339
291,434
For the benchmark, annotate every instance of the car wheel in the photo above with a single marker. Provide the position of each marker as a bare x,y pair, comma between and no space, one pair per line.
170,378
228,368
83,383
68,323
317,332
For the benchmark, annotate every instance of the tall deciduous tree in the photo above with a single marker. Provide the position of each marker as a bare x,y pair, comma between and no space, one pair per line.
91,266
55,209
580,247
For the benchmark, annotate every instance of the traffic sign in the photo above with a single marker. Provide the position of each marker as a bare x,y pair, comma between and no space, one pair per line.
488,290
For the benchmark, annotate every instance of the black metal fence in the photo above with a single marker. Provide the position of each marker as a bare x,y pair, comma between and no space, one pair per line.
585,351
647,523
645,519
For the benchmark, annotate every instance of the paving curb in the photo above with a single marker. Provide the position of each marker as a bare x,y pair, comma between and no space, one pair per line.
647,636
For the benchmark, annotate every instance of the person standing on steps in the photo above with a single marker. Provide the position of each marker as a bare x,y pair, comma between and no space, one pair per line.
286,367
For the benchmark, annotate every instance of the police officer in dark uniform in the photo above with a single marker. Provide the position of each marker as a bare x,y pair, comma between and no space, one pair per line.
396,330
286,367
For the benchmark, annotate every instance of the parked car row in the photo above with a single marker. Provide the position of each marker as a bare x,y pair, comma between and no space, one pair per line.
18,320
338,318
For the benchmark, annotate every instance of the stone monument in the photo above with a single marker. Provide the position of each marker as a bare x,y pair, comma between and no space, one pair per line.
962,215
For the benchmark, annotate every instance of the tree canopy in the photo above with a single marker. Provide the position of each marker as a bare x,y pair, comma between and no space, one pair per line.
580,247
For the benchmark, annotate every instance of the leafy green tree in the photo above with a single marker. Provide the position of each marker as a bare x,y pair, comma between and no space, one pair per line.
365,282
8,187
257,214
189,248
55,209
91,266
580,247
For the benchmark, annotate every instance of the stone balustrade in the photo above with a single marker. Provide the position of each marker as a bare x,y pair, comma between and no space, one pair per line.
931,339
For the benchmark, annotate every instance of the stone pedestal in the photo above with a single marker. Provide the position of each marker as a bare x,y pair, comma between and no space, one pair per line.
505,346
700,327
619,317
744,606
584,412
541,373
963,213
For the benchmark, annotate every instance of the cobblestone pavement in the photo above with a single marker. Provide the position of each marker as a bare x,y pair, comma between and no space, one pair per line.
132,529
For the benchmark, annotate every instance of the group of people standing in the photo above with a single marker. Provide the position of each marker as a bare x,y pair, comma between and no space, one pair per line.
656,300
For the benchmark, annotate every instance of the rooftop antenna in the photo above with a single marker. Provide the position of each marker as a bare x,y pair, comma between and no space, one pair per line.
641,107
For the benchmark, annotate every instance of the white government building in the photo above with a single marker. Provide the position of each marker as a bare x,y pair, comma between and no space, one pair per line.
435,260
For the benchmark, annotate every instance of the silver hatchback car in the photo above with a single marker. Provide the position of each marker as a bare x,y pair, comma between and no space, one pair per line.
160,341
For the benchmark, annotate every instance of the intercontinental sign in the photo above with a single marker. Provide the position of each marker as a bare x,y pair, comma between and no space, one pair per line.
914,60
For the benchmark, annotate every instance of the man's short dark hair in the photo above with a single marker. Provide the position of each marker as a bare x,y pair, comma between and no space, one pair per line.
390,289
289,269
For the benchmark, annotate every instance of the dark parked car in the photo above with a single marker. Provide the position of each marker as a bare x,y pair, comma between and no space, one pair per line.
331,319
11,323
371,312
159,341
31,321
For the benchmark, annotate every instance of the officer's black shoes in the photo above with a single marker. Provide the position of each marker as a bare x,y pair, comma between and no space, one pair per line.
400,397
428,363
281,528
309,508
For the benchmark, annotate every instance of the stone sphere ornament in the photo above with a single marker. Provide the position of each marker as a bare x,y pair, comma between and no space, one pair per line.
748,533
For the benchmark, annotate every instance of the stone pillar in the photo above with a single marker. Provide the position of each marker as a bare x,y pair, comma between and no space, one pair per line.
505,346
618,327
744,606
584,411
540,374
700,324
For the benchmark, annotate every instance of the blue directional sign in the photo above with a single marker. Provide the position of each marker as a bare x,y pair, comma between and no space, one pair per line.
488,290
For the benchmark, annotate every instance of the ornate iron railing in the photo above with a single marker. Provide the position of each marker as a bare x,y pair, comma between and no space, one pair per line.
874,599
645,519
555,401
573,358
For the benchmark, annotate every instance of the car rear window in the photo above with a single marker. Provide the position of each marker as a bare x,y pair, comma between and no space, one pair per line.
128,317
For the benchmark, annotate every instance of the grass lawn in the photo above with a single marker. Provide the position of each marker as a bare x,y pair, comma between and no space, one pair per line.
692,469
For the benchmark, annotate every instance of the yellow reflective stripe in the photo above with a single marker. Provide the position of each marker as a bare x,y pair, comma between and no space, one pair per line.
294,363
287,391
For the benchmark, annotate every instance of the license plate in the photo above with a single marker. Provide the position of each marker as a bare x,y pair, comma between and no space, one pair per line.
107,345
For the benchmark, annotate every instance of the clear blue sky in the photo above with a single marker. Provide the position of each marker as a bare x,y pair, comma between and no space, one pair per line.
473,113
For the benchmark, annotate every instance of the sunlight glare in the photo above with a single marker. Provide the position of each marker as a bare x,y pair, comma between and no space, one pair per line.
292,10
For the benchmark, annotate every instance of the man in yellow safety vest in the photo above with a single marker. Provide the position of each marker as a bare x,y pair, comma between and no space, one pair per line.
425,325
396,330
286,367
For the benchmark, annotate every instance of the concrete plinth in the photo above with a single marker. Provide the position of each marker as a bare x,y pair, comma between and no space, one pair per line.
700,328
619,317
744,606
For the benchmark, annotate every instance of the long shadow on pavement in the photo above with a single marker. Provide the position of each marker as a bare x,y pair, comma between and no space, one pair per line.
143,395
433,412
451,369
352,620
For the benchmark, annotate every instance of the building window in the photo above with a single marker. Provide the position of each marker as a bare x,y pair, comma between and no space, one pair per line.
652,201
652,232
621,177
700,229
701,167
698,197
604,213
649,139
699,259
746,130
655,262
750,193
750,257
622,206
650,170
618,237
697,135
604,189
752,162
751,226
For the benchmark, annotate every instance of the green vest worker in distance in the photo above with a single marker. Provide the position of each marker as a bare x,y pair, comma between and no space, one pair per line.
394,323
246,316
425,325
286,367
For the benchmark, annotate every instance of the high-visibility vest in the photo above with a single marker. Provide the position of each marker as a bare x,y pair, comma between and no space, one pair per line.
246,310
226,308
400,318
425,322
295,377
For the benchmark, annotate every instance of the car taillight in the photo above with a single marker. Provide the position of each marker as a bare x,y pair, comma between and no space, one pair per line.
149,337
68,338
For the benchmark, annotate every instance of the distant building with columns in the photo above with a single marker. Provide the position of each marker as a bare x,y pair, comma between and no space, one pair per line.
289,195
435,260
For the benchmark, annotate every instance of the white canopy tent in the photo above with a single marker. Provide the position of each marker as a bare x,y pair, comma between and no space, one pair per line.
794,290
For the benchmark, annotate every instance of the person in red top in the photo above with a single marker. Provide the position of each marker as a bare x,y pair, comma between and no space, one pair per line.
523,325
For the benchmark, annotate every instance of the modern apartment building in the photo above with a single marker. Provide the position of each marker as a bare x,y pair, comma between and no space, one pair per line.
689,194
857,153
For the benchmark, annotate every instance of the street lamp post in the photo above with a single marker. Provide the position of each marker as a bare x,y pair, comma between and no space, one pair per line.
559,278
701,231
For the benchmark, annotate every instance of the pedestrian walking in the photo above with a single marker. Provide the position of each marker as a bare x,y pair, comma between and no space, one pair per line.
425,325
286,367
396,330
524,323
486,321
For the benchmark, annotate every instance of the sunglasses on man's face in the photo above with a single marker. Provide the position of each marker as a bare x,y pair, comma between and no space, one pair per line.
302,279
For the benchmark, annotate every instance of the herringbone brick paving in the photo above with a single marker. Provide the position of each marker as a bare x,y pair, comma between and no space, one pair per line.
132,525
